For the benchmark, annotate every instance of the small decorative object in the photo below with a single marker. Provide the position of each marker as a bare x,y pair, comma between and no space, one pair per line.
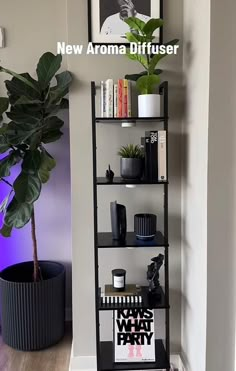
153,273
132,161
107,18
118,279
134,335
147,81
118,221
145,226
110,174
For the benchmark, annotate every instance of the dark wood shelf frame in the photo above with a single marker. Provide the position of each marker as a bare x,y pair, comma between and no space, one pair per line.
121,181
149,302
105,349
105,241
107,364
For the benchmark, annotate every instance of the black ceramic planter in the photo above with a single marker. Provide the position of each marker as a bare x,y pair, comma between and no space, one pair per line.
32,314
131,168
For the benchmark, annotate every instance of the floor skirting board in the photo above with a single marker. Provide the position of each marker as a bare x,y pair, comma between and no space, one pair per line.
89,363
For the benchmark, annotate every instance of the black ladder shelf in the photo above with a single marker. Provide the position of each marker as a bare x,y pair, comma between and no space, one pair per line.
105,352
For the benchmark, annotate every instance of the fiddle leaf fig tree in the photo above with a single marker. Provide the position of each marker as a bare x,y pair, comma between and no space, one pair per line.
28,122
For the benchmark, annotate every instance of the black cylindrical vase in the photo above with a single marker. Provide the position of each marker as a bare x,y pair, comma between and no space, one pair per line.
32,313
145,226
131,168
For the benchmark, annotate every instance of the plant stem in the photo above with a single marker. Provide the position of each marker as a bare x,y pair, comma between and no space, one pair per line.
5,181
35,250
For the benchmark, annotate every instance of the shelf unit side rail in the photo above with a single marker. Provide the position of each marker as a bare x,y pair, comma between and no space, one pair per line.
96,267
164,89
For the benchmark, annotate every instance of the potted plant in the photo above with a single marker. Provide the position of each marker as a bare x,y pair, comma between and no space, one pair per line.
131,162
149,79
32,294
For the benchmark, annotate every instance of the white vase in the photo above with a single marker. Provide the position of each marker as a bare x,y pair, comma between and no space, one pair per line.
149,105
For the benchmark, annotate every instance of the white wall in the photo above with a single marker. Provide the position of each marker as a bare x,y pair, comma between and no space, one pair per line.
221,279
87,68
194,195
33,28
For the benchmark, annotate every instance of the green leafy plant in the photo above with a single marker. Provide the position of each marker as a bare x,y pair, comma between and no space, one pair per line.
31,123
131,151
142,32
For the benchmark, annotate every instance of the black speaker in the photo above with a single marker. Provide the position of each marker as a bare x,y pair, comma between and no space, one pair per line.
118,221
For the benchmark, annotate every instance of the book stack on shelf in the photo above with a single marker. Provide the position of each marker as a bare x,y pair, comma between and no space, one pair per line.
155,152
116,98
131,295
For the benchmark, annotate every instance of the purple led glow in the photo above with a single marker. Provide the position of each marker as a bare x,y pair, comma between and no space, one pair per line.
9,253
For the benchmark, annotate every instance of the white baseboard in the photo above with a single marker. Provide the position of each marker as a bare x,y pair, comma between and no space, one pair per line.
177,362
90,363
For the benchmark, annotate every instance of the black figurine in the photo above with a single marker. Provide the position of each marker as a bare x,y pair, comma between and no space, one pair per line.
153,273
109,174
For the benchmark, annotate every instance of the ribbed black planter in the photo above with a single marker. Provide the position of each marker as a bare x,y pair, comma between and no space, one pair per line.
32,314
145,226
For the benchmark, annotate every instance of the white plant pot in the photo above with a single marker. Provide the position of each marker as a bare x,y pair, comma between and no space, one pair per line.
149,105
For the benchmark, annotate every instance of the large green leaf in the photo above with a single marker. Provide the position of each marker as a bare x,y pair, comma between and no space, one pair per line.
6,231
25,114
157,57
6,164
135,24
48,65
136,76
135,37
25,78
147,84
4,103
32,162
152,25
27,188
47,165
138,57
18,134
4,203
52,136
51,130
18,214
3,144
22,91
56,93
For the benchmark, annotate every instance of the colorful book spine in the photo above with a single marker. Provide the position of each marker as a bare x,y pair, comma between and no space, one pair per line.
109,98
115,100
125,98
162,156
129,99
120,98
102,99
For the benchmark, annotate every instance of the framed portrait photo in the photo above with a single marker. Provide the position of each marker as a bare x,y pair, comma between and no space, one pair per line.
106,19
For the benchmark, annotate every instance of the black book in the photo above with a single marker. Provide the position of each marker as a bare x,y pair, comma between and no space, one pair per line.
145,143
153,154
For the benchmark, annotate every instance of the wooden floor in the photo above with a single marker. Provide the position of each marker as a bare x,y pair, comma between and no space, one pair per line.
53,359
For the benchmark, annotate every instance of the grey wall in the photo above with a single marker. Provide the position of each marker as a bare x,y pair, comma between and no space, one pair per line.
221,279
33,28
194,195
85,69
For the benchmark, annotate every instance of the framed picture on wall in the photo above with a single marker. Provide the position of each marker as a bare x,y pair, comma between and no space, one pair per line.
106,18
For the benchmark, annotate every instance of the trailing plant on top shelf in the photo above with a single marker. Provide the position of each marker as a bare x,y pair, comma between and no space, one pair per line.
32,107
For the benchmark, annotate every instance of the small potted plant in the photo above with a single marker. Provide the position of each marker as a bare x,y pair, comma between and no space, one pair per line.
147,81
32,294
131,162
